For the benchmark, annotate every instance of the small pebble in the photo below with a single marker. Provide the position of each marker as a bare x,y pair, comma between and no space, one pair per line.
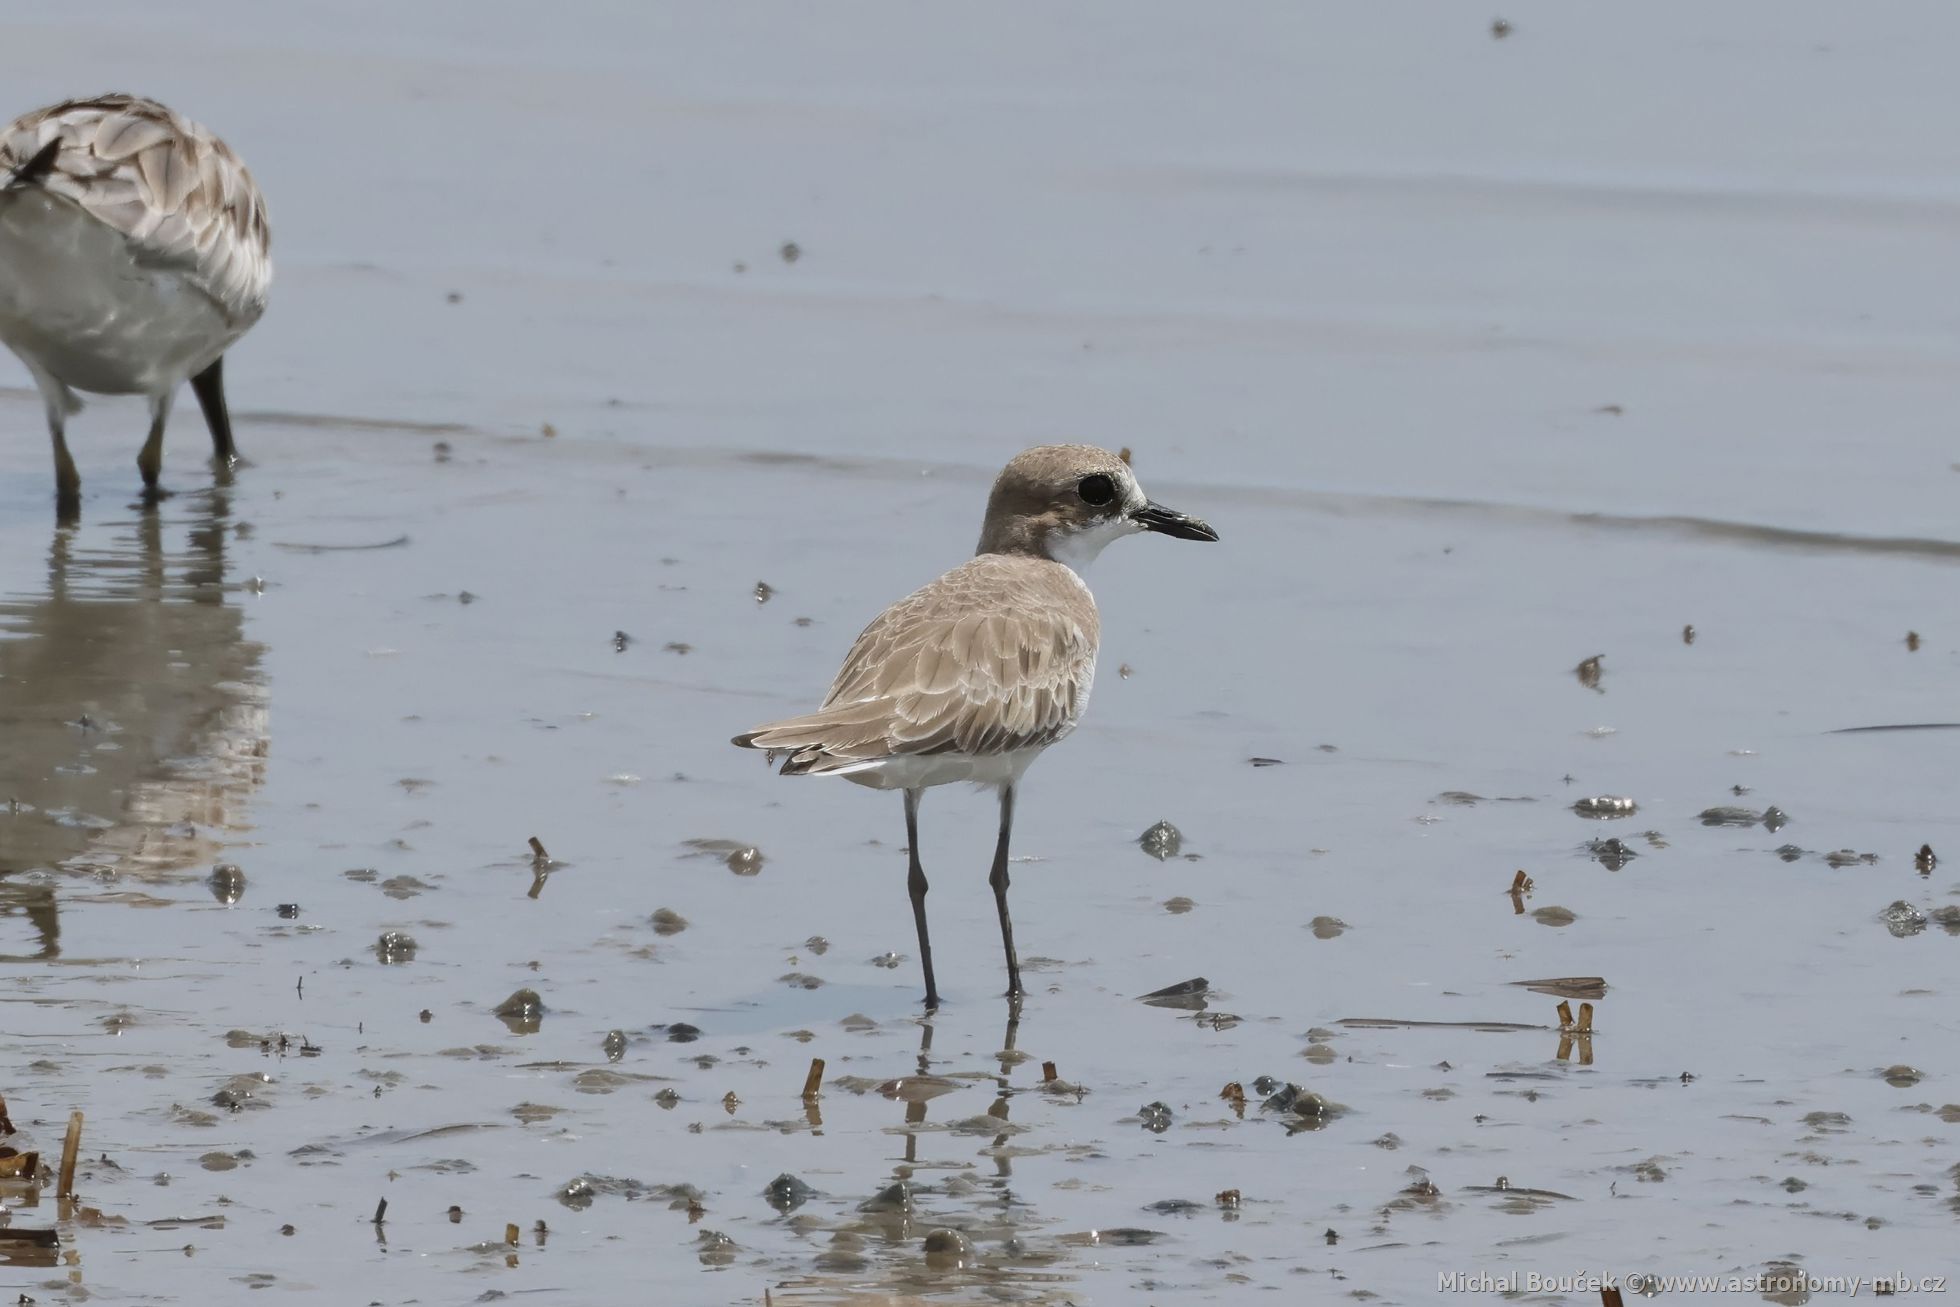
1162,841
947,1248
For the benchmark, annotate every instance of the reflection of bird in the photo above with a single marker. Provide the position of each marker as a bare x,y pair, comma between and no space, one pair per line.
970,678
133,251
132,706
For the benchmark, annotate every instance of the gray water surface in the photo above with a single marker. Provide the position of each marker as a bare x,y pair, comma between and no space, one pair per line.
1485,357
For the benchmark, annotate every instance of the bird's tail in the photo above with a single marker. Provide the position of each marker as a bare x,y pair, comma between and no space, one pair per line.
833,742
36,169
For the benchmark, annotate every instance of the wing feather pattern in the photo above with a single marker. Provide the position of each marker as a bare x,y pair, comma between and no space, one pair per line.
996,656
178,193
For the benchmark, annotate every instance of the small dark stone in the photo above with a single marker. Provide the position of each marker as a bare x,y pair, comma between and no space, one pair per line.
786,1193
947,1247
227,883
1162,841
895,1197
395,947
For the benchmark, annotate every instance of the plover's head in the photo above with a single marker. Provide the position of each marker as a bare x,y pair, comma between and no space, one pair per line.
1066,502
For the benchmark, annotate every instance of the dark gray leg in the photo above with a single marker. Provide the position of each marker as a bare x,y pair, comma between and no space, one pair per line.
209,387
999,881
916,882
149,460
67,481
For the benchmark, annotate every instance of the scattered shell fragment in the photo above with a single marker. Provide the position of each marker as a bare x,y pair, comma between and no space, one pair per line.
1610,853
786,1193
1602,806
395,947
1162,841
947,1249
742,859
1327,927
917,1089
523,1012
1902,919
1189,995
227,883
896,1197
1771,818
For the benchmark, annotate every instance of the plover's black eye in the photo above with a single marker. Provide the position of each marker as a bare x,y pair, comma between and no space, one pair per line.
1097,490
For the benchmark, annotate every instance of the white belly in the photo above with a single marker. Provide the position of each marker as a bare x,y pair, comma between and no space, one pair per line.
918,771
76,303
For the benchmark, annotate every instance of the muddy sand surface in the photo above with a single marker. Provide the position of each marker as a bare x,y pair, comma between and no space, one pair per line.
1581,476
365,677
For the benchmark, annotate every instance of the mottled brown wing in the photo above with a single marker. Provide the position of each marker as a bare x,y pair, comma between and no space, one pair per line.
176,191
934,674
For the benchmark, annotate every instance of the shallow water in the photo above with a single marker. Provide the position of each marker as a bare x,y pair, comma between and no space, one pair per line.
371,669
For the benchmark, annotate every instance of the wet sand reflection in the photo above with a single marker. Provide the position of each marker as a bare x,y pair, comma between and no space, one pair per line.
132,709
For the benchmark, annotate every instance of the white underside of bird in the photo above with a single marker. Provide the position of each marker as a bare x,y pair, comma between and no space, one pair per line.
84,310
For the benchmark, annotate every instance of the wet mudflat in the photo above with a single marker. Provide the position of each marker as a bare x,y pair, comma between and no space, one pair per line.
371,752
1537,557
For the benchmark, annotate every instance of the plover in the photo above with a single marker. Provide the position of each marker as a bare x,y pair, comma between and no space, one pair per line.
133,252
971,677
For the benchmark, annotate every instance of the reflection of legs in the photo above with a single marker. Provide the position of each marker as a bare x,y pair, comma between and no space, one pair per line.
999,881
1002,1165
915,1110
60,403
916,882
150,461
209,387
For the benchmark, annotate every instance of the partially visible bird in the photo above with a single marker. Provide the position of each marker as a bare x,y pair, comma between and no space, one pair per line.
134,251
971,677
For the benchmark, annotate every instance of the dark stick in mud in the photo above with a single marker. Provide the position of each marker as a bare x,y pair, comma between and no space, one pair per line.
813,1083
71,1148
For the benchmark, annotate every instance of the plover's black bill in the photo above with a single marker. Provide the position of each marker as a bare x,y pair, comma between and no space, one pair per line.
1153,516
